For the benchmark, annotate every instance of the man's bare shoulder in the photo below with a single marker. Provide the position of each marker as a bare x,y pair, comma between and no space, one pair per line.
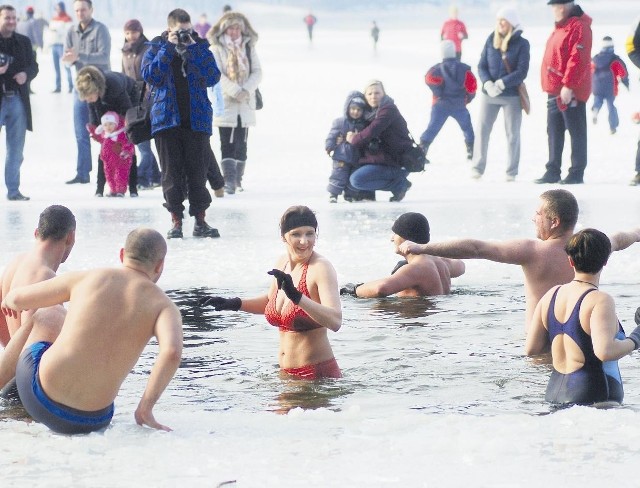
26,269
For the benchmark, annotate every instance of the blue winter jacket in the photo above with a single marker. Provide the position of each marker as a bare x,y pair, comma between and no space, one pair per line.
492,68
345,152
201,71
452,83
607,67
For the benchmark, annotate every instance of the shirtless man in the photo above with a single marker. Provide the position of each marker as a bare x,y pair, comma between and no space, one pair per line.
55,237
543,260
419,275
111,316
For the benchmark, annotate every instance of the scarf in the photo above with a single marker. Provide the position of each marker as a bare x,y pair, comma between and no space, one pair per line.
237,62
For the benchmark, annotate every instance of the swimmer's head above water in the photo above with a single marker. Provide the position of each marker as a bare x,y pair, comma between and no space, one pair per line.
412,226
297,216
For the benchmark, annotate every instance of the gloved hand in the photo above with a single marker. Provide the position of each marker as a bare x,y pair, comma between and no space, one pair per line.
490,87
635,337
399,265
637,316
220,303
499,84
90,128
350,289
285,283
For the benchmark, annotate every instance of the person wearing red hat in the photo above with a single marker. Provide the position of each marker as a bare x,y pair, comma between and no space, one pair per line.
566,77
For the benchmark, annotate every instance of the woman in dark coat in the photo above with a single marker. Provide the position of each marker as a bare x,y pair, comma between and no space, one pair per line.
381,143
106,92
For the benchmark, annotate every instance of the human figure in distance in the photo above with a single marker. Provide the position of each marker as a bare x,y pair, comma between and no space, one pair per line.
418,275
578,323
54,240
310,21
543,260
454,30
88,43
69,381
304,311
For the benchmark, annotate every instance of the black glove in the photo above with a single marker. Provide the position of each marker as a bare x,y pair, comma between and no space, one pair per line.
400,264
285,283
220,303
637,317
350,289
635,337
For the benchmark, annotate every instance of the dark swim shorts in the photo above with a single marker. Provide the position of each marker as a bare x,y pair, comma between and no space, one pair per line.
57,417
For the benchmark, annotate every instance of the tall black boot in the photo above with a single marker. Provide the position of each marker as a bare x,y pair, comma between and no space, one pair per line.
176,230
229,172
202,229
239,174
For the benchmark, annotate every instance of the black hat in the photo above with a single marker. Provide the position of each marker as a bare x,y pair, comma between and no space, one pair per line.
556,2
412,226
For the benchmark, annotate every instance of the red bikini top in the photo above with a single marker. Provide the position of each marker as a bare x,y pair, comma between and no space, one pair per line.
292,318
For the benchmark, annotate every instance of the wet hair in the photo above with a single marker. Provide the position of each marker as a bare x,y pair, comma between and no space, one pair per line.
55,223
561,204
90,80
589,250
297,216
178,16
147,246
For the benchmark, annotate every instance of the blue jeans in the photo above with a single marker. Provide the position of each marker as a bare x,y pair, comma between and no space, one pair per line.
148,170
14,117
613,112
57,51
80,121
439,115
380,177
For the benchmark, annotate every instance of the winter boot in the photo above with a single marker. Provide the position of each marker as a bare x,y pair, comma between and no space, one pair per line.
229,172
202,229
176,231
469,150
239,174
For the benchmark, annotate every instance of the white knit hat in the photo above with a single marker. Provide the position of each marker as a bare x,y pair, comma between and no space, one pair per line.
448,49
110,117
510,14
607,41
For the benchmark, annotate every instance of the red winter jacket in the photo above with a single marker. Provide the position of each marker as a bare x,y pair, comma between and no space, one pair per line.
567,57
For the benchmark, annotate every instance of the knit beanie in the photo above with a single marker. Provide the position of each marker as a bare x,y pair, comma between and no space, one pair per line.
358,102
412,226
110,117
509,14
607,41
448,49
133,25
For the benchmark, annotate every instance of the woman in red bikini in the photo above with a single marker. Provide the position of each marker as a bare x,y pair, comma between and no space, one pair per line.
303,301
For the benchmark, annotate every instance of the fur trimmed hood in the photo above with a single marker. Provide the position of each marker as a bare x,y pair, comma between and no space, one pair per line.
230,18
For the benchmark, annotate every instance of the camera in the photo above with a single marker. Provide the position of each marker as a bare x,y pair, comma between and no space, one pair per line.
5,59
184,36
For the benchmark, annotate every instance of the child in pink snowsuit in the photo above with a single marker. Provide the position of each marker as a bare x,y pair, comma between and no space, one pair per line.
116,152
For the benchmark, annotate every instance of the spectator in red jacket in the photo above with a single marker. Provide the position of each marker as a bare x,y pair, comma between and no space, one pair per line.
633,50
608,71
454,30
566,77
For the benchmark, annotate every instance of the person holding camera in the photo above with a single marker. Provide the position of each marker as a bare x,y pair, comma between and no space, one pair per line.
179,67
17,68
233,42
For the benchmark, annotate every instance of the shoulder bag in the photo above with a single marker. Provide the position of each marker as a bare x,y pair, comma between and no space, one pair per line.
137,120
414,159
525,103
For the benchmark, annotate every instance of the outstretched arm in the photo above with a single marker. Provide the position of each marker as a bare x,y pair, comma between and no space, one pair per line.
404,278
44,294
622,240
168,331
509,252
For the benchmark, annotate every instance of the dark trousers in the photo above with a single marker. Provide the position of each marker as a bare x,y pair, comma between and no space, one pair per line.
216,180
133,177
440,112
574,120
183,162
233,142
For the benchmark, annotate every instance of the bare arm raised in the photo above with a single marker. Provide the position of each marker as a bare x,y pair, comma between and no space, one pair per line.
622,240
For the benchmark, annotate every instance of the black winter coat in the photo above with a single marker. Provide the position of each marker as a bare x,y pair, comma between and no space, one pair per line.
20,48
